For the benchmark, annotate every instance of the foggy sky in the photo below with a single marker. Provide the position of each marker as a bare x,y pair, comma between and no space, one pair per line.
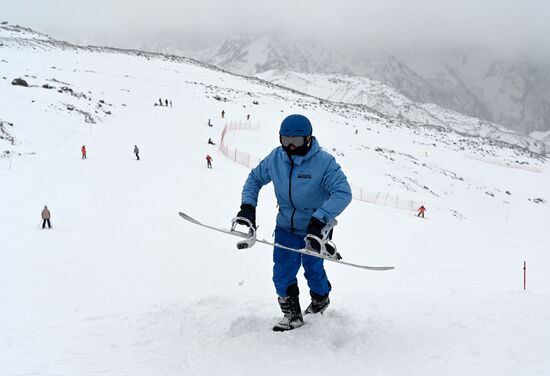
504,24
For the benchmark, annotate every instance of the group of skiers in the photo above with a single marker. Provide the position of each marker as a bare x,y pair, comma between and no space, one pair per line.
209,159
166,103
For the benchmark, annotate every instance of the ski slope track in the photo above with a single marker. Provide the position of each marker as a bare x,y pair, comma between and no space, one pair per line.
120,286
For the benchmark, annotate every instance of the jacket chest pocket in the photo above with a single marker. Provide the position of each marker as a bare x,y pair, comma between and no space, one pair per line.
306,189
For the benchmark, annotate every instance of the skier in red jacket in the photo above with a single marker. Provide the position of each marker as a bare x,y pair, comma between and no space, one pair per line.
209,161
421,211
83,151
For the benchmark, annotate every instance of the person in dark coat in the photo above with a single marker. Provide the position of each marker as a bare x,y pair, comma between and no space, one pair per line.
211,142
136,152
46,217
223,113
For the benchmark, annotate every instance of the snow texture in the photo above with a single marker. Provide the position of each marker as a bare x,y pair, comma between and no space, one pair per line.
121,285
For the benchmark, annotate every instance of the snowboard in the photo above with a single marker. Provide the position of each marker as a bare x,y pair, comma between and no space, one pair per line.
304,251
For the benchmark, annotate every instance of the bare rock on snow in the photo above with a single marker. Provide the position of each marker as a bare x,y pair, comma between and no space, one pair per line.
19,82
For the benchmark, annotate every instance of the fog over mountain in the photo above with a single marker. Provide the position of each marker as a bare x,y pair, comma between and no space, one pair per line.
509,89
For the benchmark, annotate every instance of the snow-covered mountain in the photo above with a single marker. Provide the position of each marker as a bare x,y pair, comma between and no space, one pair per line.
512,91
122,286
387,101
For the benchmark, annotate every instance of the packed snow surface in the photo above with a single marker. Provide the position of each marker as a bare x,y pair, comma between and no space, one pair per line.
121,285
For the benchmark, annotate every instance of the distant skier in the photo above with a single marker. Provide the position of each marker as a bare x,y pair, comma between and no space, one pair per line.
311,190
136,152
209,161
209,123
46,217
223,114
83,151
160,101
248,117
211,142
166,101
170,103
421,211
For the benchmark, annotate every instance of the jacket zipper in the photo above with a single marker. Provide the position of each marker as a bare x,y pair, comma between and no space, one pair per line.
290,195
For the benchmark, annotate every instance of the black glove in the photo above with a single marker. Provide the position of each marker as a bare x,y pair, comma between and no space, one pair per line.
249,212
314,228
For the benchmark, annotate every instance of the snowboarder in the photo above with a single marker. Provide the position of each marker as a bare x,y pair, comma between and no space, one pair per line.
223,113
46,217
209,161
311,190
248,117
211,142
136,152
421,211
209,123
83,151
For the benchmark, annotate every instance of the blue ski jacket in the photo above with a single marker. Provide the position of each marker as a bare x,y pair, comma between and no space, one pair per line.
312,185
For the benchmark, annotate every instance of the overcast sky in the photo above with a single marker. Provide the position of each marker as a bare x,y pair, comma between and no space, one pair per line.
505,24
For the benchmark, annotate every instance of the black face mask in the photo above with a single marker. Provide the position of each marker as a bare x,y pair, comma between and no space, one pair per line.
300,151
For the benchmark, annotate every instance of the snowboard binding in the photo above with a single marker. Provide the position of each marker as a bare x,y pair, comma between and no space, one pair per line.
249,235
326,246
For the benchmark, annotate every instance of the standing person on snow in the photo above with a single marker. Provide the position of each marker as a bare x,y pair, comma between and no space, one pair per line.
136,152
166,101
311,190
83,151
209,161
223,113
46,217
160,101
421,211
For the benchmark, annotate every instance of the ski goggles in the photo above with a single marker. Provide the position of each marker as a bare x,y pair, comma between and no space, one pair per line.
297,141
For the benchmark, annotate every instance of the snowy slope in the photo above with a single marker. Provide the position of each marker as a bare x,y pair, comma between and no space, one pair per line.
122,286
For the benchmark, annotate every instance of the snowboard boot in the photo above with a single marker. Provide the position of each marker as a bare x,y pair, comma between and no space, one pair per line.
292,319
319,303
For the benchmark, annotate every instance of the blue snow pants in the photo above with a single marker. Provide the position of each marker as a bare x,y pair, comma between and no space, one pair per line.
287,264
